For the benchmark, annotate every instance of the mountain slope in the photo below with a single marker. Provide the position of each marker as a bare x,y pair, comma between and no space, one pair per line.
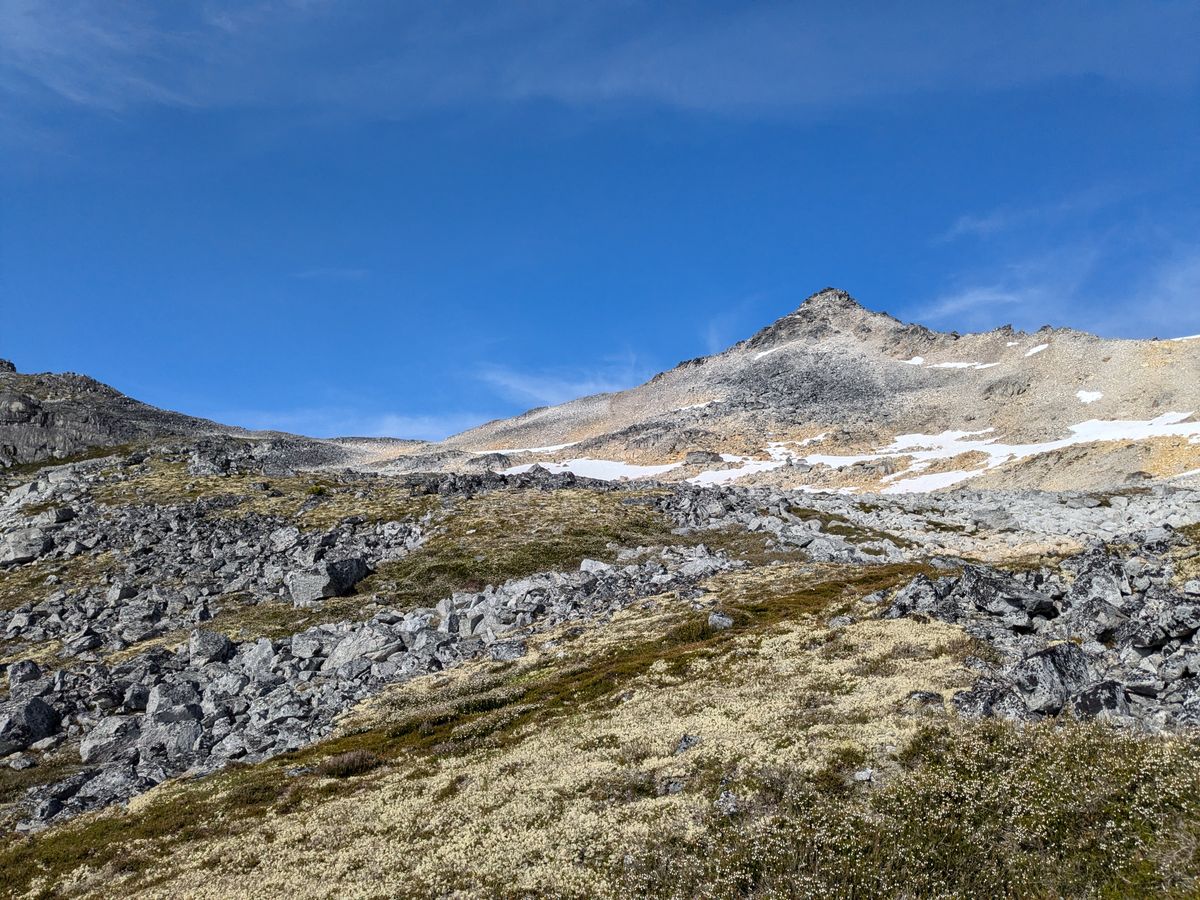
819,397
223,677
55,416
50,416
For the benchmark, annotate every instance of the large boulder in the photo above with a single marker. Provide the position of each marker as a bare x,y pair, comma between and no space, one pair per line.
169,703
24,545
25,722
369,643
990,697
1003,597
326,579
178,742
284,539
922,596
1047,678
114,737
206,646
1106,700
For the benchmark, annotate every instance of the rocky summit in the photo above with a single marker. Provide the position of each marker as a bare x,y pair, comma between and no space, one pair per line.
851,609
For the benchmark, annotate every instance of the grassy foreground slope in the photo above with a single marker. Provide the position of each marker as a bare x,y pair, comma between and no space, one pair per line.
651,754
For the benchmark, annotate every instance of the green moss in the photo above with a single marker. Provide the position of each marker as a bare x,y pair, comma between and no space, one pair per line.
28,583
15,782
349,764
975,810
511,534
312,500
133,843
24,471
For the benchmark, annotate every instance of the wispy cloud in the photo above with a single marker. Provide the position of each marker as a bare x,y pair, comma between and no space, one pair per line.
1051,213
1068,287
389,59
340,422
734,322
552,386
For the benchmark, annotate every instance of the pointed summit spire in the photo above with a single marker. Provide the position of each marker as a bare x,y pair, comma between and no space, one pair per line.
830,298
830,311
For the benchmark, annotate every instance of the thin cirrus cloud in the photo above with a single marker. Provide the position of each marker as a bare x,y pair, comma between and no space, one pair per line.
344,422
1051,214
550,387
395,58
1064,287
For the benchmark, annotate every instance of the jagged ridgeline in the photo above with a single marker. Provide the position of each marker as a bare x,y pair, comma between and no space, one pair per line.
772,625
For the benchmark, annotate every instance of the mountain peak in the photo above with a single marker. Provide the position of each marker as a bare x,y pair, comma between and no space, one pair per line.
829,298
828,312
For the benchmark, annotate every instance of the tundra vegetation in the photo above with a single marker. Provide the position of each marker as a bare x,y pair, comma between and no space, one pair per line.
605,691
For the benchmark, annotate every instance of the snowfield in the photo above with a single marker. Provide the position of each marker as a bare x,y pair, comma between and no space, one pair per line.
600,469
923,449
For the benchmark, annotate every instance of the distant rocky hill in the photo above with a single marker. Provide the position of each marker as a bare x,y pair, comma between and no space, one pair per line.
55,416
837,397
51,416
832,397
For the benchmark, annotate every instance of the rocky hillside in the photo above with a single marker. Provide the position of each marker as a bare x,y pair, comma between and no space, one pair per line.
48,417
534,684
262,665
836,397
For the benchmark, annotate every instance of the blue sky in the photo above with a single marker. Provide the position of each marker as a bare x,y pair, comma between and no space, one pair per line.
398,218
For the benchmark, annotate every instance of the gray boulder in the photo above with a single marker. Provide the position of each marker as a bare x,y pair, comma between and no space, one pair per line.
1047,678
330,579
21,672
284,539
113,738
507,651
989,697
24,545
24,722
1001,596
177,741
173,703
719,621
1106,700
208,646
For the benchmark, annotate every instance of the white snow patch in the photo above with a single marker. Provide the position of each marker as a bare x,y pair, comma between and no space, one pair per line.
1011,343
1088,396
1036,350
694,406
915,361
1190,337
1190,474
925,448
551,449
961,365
779,456
934,482
777,452
758,356
600,469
